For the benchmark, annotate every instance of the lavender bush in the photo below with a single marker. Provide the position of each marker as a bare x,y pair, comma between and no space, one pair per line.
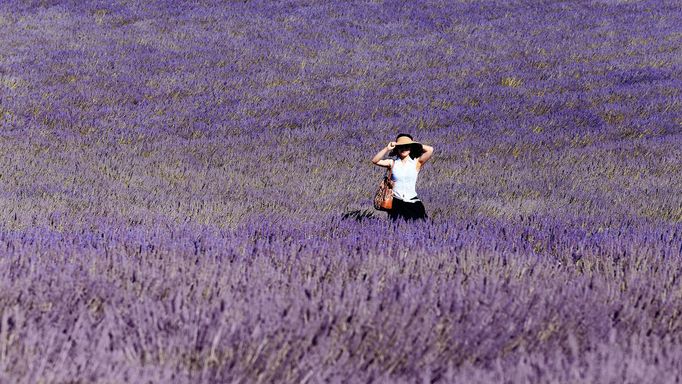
186,192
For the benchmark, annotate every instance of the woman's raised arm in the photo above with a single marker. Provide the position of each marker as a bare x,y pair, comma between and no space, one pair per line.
379,160
428,152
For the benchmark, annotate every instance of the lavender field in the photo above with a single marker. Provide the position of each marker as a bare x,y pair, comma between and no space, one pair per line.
186,191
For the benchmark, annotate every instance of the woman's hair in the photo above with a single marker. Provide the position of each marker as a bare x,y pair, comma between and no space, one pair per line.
415,150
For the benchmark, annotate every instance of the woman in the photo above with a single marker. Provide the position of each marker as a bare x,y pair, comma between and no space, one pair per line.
409,157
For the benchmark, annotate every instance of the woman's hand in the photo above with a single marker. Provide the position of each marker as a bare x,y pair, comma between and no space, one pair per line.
391,145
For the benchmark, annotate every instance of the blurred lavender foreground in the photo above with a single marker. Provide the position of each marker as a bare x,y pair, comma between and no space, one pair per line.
186,192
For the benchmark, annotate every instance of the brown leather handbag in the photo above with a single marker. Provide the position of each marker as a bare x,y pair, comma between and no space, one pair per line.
383,198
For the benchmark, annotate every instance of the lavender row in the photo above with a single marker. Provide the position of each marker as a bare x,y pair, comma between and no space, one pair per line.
475,301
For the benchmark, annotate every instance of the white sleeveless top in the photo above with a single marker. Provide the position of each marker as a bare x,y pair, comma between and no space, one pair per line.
404,176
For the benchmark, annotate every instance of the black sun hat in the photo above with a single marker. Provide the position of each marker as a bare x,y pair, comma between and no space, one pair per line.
404,141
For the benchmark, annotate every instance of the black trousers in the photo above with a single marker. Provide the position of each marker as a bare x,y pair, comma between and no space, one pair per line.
407,211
